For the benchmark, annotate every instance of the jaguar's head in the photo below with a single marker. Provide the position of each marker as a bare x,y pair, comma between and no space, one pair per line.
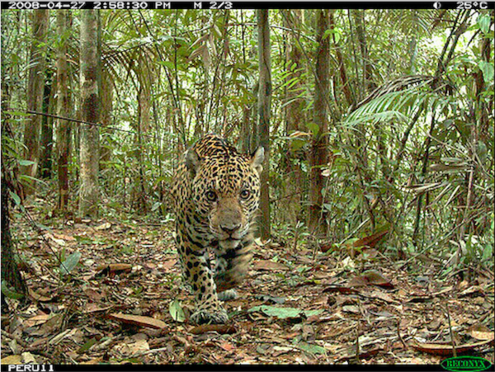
226,192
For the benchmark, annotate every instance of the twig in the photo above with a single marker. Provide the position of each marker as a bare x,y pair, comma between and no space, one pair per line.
450,330
12,337
357,343
398,333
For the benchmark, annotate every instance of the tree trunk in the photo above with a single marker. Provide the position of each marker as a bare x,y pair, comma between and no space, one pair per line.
295,118
264,101
35,86
318,154
106,118
367,67
10,272
143,122
46,140
63,103
90,112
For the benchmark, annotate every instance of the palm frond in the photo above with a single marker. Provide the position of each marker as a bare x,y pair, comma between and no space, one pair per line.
398,100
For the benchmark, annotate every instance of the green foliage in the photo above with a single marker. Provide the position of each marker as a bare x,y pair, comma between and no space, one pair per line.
70,263
400,154
176,311
6,291
284,312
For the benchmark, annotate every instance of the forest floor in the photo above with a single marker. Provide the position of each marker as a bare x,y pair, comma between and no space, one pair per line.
119,304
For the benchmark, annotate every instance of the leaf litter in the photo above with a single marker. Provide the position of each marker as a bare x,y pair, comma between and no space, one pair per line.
117,298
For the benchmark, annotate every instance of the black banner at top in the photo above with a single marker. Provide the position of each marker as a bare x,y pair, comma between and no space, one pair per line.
211,5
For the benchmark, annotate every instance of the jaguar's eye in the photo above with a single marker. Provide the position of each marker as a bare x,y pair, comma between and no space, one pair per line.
211,196
245,194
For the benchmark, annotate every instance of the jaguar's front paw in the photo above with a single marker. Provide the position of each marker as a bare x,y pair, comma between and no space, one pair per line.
210,317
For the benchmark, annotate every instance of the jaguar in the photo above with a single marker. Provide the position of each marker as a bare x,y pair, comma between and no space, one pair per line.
216,192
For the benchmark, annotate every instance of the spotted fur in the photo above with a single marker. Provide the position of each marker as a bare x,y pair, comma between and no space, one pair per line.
216,195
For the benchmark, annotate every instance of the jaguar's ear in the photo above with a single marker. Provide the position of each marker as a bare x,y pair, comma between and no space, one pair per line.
257,160
193,161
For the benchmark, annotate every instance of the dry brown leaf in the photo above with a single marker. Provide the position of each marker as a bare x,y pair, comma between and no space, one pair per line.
226,346
446,349
363,355
93,295
36,296
343,290
143,321
471,291
51,325
269,265
480,332
64,237
383,296
93,361
12,359
358,281
220,328
114,268
378,279
28,358
94,308
370,277
167,265
36,320
370,241
103,226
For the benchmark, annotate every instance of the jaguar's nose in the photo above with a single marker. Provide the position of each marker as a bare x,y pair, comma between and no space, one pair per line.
230,229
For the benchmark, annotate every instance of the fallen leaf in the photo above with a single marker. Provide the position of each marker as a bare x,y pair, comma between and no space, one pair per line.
268,265
64,237
475,290
358,281
176,311
167,265
93,361
272,299
87,345
446,349
480,332
28,358
95,308
36,320
370,277
343,290
375,278
60,242
370,241
93,295
52,324
103,226
362,355
284,312
312,349
70,263
383,296
36,296
227,346
114,268
139,347
220,328
143,321
12,359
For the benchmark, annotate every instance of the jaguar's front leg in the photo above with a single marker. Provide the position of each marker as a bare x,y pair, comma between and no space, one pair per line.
208,308
232,264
